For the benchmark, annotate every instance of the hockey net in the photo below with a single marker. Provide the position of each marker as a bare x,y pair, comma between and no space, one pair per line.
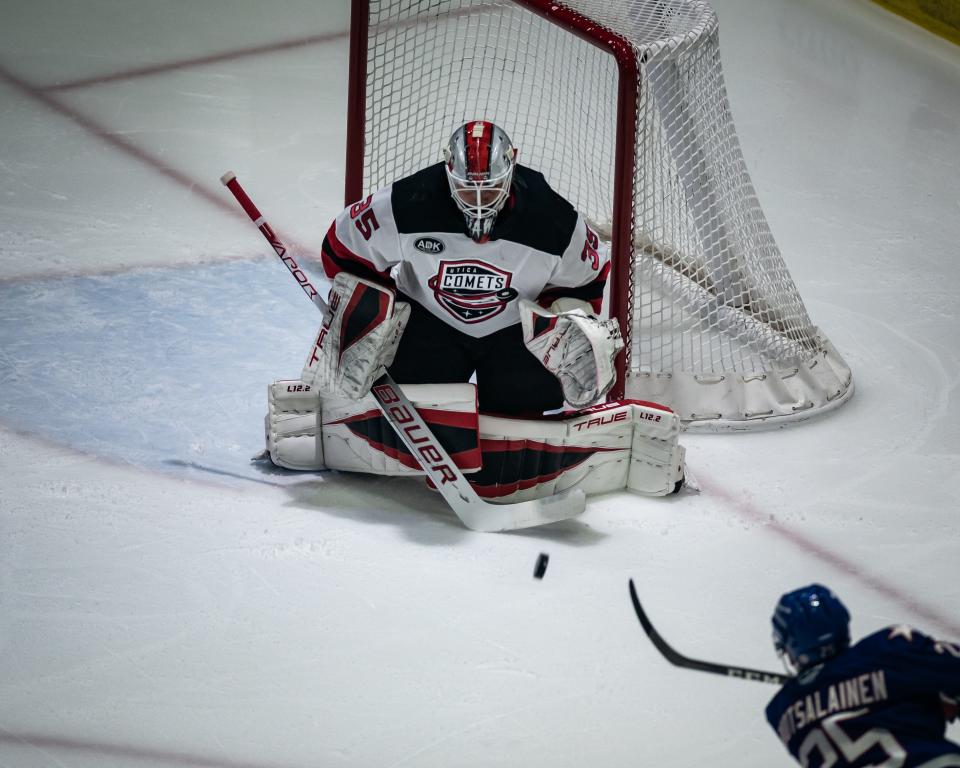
621,104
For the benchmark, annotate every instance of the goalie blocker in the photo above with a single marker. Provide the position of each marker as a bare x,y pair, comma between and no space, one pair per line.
628,444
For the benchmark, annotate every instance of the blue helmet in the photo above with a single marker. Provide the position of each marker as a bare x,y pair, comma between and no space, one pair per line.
810,624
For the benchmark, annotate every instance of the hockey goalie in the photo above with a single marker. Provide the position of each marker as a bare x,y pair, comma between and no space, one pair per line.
473,270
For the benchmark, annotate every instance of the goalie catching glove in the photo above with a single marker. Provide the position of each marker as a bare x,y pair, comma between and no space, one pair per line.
358,338
574,345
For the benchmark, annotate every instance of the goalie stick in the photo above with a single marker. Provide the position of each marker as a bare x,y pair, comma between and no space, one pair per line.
475,513
680,660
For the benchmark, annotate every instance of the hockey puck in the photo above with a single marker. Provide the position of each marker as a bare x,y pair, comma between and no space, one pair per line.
541,567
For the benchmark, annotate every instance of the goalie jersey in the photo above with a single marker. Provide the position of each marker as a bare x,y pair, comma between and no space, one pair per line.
411,236
881,702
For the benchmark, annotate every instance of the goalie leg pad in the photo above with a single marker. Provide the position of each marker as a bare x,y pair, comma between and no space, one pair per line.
293,425
357,436
305,432
656,457
627,444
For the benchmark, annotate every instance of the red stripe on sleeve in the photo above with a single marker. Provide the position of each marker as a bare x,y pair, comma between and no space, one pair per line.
600,282
336,257
592,292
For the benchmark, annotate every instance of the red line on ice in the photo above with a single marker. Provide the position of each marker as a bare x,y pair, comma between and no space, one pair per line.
199,61
52,742
910,603
216,198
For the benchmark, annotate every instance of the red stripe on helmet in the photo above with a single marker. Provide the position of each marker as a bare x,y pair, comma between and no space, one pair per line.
479,137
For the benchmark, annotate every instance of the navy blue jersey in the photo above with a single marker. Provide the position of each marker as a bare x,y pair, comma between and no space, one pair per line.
876,704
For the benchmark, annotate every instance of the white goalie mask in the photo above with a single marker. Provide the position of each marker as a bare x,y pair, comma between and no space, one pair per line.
480,159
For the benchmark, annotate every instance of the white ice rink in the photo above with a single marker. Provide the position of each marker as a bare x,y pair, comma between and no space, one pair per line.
165,603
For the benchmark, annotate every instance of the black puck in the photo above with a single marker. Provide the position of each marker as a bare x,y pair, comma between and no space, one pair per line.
541,567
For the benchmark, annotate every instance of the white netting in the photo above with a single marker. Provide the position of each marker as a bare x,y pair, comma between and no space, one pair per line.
716,327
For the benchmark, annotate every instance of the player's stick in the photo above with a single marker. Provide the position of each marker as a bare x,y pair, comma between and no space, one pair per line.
680,660
475,513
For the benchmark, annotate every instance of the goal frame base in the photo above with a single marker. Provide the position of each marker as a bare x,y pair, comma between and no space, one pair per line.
771,399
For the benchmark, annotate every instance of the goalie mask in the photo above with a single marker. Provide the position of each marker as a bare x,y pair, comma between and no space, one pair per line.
480,159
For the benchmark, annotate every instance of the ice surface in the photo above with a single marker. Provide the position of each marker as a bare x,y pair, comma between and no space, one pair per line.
164,602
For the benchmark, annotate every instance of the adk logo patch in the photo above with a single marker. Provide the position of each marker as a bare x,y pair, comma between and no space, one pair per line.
472,291
428,245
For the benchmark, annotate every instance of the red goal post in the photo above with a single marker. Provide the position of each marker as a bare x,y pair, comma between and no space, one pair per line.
622,105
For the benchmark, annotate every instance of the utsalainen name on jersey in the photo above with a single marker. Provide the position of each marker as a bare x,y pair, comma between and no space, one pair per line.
854,692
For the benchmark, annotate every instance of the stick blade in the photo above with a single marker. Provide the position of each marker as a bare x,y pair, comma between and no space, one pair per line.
679,660
641,614
492,518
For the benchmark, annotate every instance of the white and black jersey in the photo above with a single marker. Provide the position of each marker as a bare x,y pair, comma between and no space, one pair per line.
411,235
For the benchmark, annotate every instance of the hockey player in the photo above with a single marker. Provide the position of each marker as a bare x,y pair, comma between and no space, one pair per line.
484,254
470,267
881,702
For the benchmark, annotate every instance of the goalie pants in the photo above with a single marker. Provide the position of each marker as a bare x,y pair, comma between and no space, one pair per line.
510,380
